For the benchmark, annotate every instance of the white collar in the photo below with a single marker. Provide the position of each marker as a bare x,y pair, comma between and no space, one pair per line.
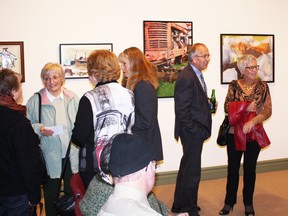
52,98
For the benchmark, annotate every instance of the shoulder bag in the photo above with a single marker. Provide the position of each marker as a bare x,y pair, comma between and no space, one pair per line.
65,204
225,126
43,167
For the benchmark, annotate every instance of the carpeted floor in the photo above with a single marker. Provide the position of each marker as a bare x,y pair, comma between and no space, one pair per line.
270,196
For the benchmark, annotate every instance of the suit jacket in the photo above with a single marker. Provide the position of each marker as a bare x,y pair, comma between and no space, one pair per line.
146,122
192,109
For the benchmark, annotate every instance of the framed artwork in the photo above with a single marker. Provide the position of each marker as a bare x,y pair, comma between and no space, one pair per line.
234,46
73,57
12,57
165,45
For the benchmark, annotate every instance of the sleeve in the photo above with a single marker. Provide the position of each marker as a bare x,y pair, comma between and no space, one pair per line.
231,94
27,153
83,126
184,97
33,114
264,104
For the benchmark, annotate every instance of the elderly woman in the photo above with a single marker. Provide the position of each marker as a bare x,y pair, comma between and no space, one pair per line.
104,111
247,109
19,149
59,108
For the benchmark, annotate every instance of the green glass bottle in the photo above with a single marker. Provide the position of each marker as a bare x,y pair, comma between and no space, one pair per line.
213,101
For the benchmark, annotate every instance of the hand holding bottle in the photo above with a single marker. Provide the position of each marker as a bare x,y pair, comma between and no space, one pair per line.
213,102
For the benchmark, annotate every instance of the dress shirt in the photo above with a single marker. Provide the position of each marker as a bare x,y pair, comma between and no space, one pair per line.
127,201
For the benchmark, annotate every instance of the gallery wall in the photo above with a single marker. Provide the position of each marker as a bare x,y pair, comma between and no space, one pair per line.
43,25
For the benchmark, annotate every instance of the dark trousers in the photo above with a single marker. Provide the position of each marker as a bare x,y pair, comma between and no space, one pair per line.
14,205
189,175
51,190
249,171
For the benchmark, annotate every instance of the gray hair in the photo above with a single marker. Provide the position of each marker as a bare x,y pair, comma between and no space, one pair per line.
192,50
244,61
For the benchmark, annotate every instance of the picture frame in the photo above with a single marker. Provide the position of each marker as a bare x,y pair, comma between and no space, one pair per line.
12,57
165,45
73,57
234,46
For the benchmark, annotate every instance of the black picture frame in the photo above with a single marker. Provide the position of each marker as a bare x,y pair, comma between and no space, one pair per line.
165,45
235,45
12,57
73,57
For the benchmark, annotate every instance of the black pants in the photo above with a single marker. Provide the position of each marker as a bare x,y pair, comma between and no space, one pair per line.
189,174
249,171
51,190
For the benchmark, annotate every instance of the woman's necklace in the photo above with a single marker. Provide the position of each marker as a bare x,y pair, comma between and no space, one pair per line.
248,87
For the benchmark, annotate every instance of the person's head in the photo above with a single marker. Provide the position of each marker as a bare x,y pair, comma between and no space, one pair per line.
103,66
10,84
135,66
248,67
199,56
131,159
53,77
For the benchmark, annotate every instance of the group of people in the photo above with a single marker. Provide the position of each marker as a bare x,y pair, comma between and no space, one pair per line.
115,135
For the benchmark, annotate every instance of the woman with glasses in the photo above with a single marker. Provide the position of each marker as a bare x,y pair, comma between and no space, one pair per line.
246,109
58,111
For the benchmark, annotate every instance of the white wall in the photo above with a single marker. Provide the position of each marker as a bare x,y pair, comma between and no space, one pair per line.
43,25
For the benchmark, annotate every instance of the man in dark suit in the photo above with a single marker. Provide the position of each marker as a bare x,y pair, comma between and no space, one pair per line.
193,126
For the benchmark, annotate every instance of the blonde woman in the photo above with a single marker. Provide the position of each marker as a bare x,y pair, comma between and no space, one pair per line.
104,111
59,107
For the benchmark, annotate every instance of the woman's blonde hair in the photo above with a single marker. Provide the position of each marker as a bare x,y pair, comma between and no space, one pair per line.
140,67
103,65
50,66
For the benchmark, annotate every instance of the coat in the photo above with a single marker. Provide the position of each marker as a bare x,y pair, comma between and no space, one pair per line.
51,146
192,109
237,118
19,156
146,121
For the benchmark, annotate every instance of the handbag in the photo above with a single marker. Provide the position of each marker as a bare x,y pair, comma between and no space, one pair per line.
223,132
43,168
78,190
225,126
65,204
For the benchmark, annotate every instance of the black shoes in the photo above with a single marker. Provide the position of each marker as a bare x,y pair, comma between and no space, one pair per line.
226,210
249,210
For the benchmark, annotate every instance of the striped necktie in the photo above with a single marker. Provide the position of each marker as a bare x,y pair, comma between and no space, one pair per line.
203,83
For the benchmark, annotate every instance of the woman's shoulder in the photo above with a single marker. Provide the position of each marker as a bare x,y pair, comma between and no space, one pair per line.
70,94
143,84
261,83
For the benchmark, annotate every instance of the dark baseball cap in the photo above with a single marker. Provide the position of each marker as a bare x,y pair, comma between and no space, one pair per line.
129,154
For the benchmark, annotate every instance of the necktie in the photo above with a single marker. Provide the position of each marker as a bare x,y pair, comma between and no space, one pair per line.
203,83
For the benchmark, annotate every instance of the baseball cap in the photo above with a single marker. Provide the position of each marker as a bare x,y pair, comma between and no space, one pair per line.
129,154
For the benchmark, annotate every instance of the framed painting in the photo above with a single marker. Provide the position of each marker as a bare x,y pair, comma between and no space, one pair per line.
165,45
12,57
73,57
234,46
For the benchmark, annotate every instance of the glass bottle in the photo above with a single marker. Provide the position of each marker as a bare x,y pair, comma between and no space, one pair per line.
213,101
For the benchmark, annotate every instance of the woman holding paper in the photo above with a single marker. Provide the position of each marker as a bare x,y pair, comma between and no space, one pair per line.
58,111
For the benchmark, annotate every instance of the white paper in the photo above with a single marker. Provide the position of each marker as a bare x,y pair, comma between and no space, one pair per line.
57,129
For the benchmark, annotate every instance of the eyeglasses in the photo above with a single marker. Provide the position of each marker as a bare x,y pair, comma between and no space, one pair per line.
206,56
154,164
54,78
256,67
